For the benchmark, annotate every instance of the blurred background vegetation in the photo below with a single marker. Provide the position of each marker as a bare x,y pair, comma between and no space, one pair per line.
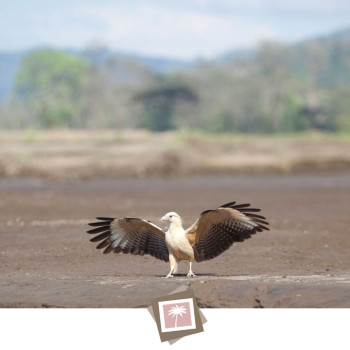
276,88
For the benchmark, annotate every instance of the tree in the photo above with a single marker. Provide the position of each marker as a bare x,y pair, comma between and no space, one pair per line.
159,104
48,84
176,311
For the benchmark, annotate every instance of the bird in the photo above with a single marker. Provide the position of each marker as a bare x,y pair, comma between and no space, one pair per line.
214,231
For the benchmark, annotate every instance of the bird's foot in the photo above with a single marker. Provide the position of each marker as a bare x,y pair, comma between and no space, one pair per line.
191,274
168,276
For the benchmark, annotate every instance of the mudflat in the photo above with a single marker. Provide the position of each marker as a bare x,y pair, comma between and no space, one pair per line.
46,259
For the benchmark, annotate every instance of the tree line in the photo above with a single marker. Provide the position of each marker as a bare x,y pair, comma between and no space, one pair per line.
280,88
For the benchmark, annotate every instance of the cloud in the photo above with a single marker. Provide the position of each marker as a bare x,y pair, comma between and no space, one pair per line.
153,30
301,7
183,28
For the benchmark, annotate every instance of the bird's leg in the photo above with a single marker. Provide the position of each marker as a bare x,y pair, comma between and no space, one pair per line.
170,274
173,266
190,272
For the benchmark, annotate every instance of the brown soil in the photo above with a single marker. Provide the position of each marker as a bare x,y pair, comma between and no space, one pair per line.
46,259
68,154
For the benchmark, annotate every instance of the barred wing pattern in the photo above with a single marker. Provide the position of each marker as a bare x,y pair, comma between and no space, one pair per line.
130,235
216,230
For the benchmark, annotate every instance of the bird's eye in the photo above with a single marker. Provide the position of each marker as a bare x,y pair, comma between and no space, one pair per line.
171,216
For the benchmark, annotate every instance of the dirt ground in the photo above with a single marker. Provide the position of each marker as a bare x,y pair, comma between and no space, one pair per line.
46,259
78,154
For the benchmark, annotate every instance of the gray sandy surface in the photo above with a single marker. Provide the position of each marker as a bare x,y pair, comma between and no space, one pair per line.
46,259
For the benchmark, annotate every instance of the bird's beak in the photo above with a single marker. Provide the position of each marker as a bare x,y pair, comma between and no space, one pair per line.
163,218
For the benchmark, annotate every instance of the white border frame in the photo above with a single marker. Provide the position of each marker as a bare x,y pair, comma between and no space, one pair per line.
176,301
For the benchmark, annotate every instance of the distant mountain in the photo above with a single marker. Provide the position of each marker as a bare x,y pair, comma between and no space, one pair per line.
9,63
236,55
160,65
156,64
330,56
343,34
336,68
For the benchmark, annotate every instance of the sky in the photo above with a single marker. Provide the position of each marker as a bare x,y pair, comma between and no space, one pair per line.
180,29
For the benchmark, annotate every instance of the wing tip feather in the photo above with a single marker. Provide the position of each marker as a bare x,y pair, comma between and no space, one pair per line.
104,218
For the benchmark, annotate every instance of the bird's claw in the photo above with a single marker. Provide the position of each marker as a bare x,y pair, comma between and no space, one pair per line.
191,274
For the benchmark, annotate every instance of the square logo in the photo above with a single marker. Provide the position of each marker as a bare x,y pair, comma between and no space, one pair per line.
177,315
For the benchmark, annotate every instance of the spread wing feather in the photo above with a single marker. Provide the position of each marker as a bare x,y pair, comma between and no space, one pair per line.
130,235
216,230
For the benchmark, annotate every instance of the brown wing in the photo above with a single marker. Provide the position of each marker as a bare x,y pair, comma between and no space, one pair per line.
130,235
216,230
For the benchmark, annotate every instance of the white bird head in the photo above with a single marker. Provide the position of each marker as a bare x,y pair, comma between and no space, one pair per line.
171,217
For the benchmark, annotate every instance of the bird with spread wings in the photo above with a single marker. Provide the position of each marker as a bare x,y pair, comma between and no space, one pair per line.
210,235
